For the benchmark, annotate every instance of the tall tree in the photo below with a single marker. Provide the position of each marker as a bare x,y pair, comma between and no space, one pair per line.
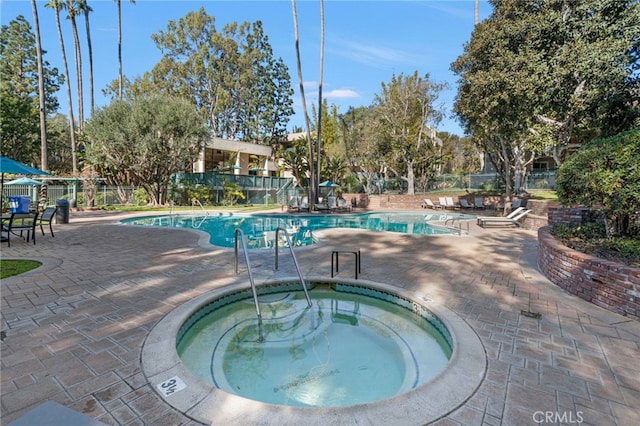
84,7
145,141
540,75
72,12
20,77
362,145
57,5
120,75
312,191
316,183
230,75
407,113
41,90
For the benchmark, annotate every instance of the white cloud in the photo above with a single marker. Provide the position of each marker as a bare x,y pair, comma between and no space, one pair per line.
341,94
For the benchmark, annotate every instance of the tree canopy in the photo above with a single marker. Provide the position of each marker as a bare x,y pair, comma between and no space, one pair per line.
230,76
144,141
19,104
539,75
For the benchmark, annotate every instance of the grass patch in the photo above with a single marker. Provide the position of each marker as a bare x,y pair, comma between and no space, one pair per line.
9,268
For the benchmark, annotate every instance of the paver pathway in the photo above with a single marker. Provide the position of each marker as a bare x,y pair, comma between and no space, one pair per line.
73,330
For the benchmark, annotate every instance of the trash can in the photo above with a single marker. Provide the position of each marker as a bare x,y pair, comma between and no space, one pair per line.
62,214
19,203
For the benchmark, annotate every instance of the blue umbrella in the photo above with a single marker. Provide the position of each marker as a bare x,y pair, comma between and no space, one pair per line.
13,167
7,165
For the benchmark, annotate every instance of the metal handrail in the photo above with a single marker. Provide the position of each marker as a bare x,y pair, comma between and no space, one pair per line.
243,238
295,261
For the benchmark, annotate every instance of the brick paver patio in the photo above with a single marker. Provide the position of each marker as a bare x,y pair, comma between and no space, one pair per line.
73,329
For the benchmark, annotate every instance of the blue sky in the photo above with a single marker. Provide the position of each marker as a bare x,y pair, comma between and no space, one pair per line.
366,42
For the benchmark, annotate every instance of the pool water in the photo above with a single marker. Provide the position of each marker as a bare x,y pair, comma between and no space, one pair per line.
260,229
348,348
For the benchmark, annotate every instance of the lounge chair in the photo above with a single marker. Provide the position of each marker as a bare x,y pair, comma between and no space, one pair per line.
304,204
478,203
47,219
428,204
293,204
342,205
511,219
443,202
465,204
332,203
451,204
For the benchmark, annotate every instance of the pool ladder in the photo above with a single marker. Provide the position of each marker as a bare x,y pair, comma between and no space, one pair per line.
243,239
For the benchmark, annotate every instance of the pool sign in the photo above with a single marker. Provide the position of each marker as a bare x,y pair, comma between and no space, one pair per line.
171,386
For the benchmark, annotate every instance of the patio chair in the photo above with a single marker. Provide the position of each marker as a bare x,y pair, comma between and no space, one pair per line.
354,203
511,219
21,222
47,219
304,204
451,204
428,204
342,205
332,203
478,203
293,204
464,203
443,202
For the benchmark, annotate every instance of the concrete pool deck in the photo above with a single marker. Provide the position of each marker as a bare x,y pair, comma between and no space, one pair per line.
73,330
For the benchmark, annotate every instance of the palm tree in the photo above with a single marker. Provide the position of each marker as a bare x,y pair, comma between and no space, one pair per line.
316,183
43,107
312,190
84,7
71,15
120,82
57,5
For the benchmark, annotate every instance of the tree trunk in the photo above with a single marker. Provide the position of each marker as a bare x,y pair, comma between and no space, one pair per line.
312,190
118,3
72,127
319,141
86,11
78,61
41,95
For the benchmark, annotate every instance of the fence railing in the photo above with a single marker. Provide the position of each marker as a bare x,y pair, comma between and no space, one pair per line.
258,189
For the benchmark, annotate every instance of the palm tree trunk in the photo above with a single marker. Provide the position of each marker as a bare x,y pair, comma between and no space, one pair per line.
119,5
56,4
43,107
78,60
312,191
319,141
84,7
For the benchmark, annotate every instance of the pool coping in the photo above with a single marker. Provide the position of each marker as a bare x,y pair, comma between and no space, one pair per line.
204,403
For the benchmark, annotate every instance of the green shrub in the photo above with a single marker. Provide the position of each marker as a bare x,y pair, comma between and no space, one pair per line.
605,173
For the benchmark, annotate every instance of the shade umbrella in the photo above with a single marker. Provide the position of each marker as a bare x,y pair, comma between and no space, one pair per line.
24,181
7,165
10,166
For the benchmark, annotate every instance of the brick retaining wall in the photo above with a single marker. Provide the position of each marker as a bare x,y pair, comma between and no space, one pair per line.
610,285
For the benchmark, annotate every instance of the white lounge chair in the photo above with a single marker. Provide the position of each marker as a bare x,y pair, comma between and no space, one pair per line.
451,204
304,204
511,219
428,204
293,204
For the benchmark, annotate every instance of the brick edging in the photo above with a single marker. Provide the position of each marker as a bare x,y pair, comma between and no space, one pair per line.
610,285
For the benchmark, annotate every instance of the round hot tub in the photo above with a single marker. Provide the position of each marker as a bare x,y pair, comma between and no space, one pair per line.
361,350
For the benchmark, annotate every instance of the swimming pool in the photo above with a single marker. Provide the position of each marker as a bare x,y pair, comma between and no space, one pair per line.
260,229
